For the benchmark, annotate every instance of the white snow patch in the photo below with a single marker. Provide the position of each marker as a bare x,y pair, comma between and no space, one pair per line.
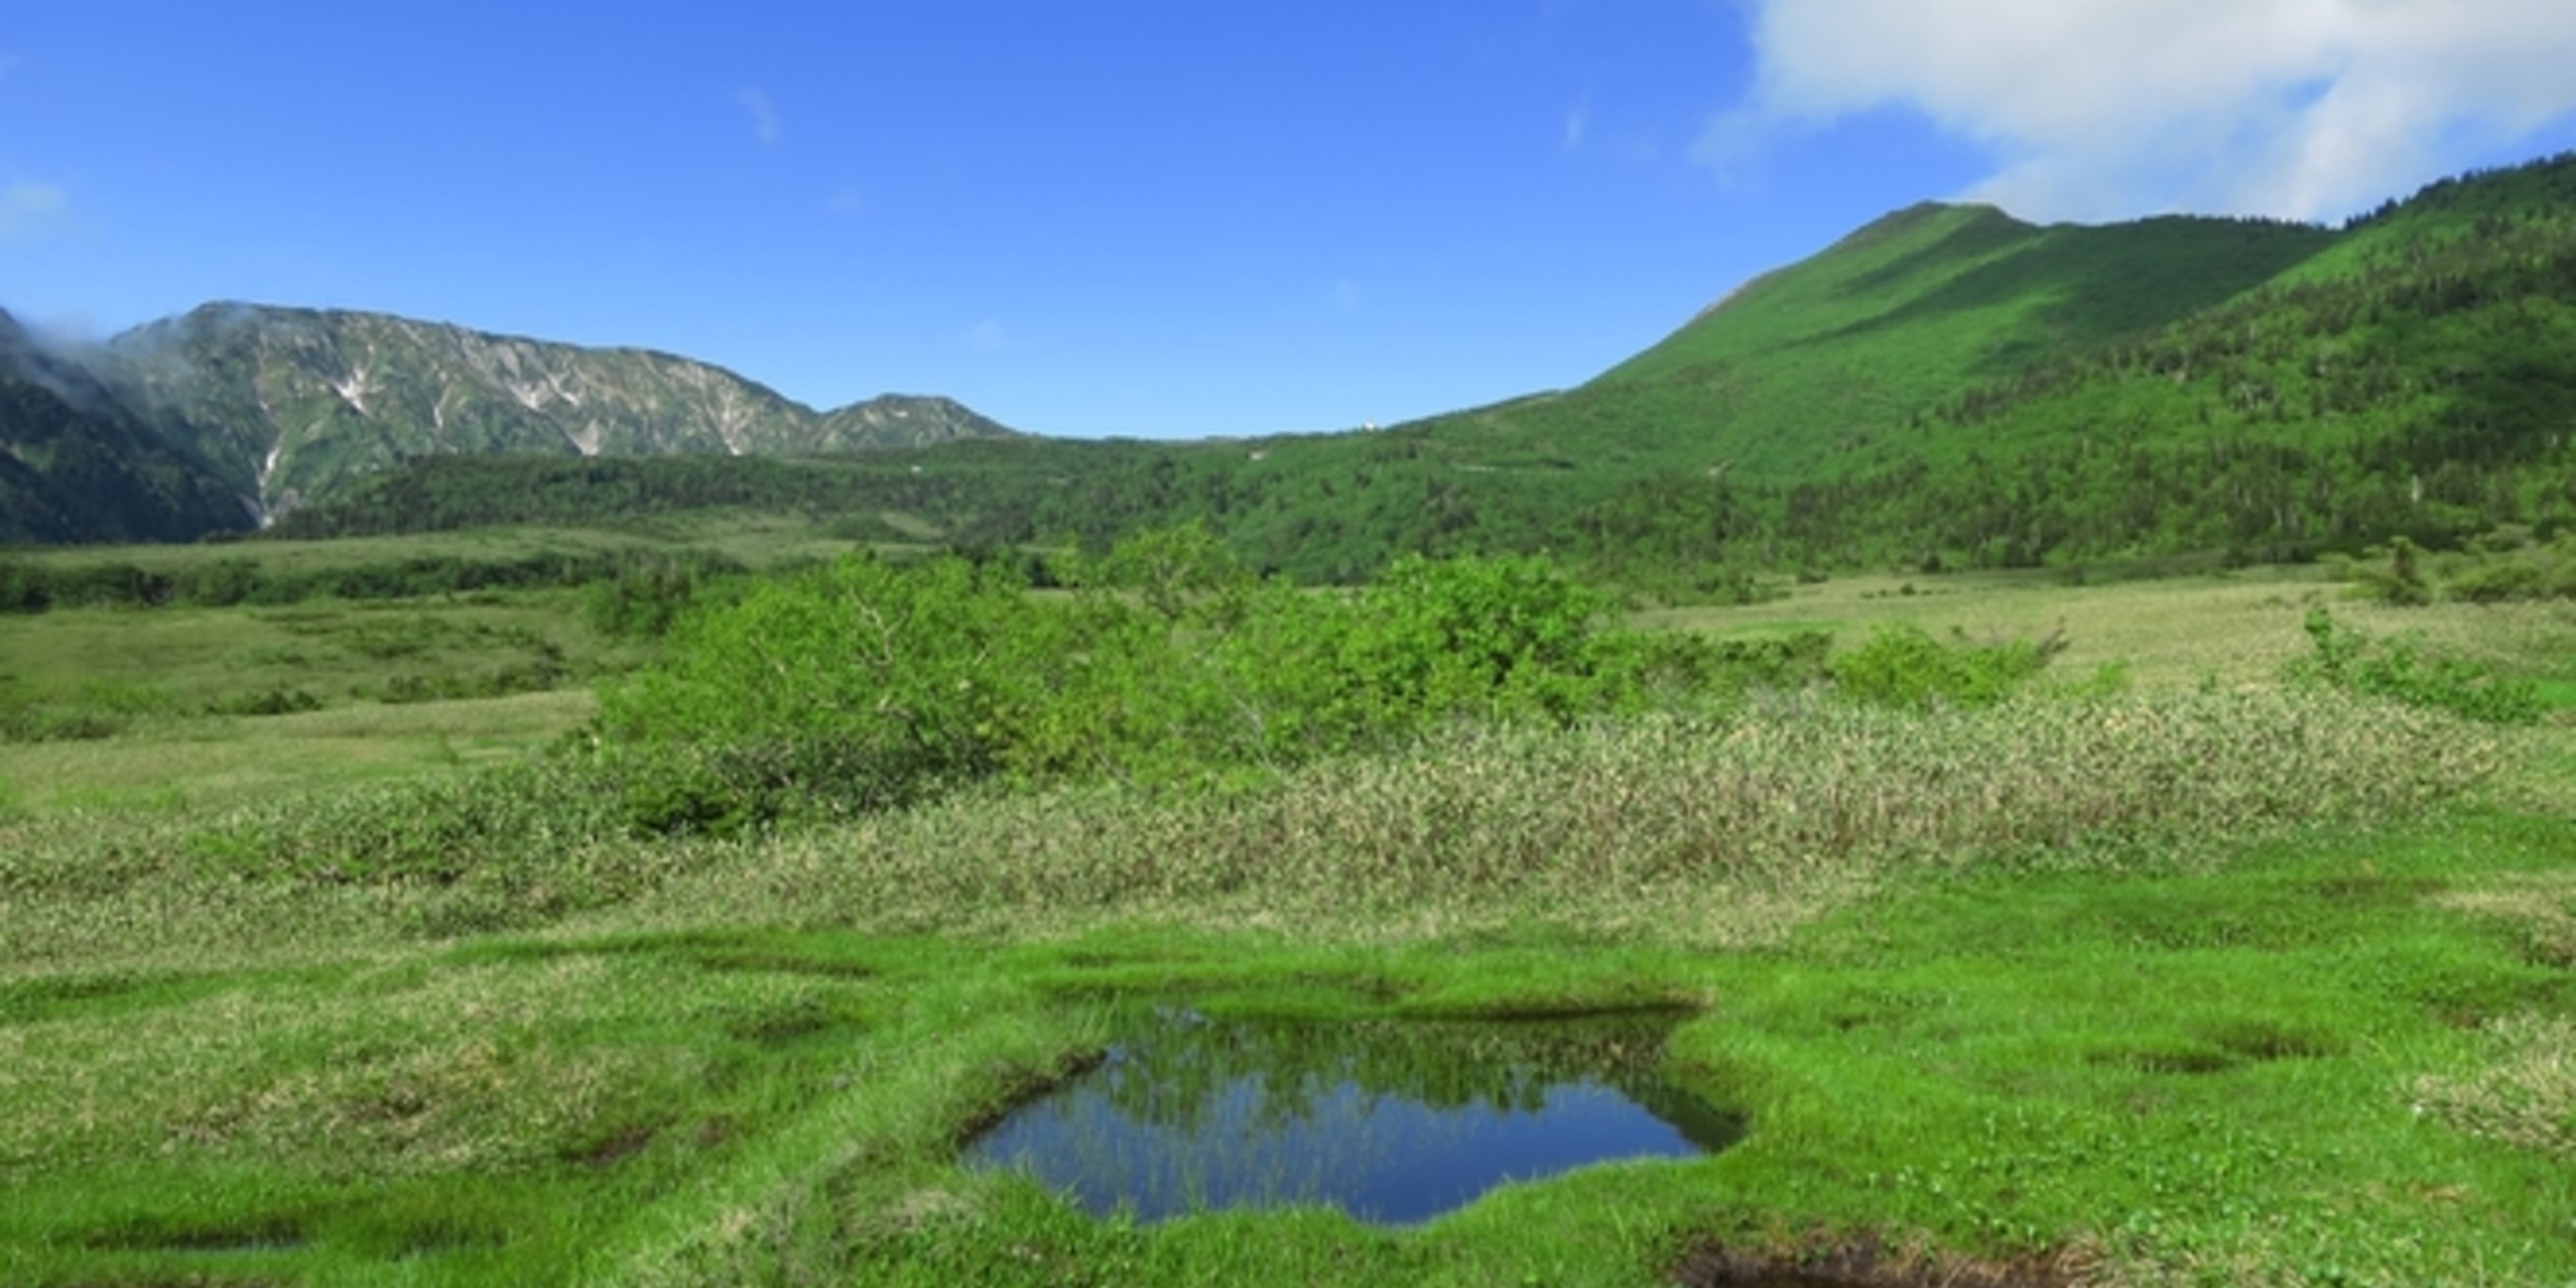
731,419
355,389
260,509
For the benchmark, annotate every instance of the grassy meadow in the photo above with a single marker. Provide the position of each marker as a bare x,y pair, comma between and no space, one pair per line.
2161,970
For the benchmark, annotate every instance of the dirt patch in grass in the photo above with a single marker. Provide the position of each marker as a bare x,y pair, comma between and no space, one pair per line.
617,1148
1868,1262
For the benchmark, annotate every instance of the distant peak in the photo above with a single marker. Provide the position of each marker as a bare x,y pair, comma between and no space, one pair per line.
1927,213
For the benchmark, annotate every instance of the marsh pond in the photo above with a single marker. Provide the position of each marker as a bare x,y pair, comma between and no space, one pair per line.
1393,1121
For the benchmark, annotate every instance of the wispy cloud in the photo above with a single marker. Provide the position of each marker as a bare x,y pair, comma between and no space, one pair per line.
847,201
987,337
1733,143
1346,296
31,209
2112,108
764,118
1578,123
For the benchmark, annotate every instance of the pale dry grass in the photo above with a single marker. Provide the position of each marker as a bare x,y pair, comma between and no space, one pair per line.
1701,831
2524,1091
2231,629
2542,905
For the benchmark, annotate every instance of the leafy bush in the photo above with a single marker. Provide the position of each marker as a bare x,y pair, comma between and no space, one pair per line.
2403,581
2504,564
867,685
2346,657
1904,668
857,686
275,700
646,597
24,721
35,587
2512,570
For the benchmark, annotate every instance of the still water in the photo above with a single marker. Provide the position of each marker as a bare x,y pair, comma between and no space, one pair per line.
1392,1121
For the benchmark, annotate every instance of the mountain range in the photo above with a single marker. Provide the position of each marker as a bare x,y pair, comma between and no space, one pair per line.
1945,386
232,414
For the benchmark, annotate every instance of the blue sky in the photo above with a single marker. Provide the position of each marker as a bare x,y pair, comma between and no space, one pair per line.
1172,219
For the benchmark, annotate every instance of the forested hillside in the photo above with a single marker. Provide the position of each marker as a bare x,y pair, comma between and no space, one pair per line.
2419,381
1945,387
78,465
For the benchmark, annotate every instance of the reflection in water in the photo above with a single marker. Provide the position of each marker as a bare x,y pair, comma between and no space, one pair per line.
1392,1121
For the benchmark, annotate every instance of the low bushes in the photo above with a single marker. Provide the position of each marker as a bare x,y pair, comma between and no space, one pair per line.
866,684
1904,668
646,581
2403,670
2505,565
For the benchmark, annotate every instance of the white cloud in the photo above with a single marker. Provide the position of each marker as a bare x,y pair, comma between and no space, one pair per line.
2111,108
764,118
1578,122
30,209
987,337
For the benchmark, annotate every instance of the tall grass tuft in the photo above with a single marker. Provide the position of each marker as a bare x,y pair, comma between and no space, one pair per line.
2524,1091
1694,827
1794,807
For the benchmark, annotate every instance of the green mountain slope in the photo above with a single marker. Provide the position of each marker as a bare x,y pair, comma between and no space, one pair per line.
2418,378
1793,366
77,465
1947,385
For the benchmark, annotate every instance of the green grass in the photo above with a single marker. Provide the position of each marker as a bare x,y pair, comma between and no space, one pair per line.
118,697
1909,311
207,763
2304,1058
2202,983
757,539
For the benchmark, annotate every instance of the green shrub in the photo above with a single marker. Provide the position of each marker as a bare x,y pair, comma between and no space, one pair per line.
2505,564
2346,657
2403,580
648,595
867,685
1902,667
22,721
275,700
859,685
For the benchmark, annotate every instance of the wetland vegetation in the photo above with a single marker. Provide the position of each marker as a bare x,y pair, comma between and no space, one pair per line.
2040,932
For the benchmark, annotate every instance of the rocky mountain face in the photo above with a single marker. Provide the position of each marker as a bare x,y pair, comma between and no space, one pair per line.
288,404
233,414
